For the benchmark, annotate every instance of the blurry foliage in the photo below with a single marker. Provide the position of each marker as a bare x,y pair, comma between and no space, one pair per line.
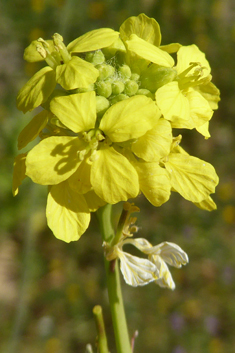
48,288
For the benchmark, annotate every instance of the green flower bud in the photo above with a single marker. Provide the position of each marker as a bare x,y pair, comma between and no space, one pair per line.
91,87
95,58
135,76
131,87
119,98
145,92
104,89
105,71
102,105
156,76
117,87
125,71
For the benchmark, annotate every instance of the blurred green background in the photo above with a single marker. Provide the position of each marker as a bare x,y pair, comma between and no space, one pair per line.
48,288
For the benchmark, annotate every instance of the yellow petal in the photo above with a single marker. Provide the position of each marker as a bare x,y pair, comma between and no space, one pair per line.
171,48
191,53
76,111
130,118
18,172
149,51
193,178
154,183
77,73
200,110
173,103
144,27
53,160
204,130
36,90
207,204
93,201
211,93
31,131
113,177
155,144
93,40
80,180
67,213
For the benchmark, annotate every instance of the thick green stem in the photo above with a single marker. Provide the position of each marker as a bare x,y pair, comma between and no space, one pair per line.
114,286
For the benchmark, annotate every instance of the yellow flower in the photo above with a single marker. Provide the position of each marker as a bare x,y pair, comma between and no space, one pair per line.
65,68
107,131
188,101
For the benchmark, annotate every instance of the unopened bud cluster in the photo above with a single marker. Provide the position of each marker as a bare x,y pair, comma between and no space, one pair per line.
117,82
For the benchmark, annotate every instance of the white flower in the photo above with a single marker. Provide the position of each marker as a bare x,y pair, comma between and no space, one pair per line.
138,271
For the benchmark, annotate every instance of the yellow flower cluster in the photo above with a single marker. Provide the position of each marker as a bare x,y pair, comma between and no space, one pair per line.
109,102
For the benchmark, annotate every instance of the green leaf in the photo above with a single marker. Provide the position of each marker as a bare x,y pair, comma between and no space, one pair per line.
76,73
36,90
67,213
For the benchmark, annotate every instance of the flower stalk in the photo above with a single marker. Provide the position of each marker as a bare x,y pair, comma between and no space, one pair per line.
114,286
102,339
